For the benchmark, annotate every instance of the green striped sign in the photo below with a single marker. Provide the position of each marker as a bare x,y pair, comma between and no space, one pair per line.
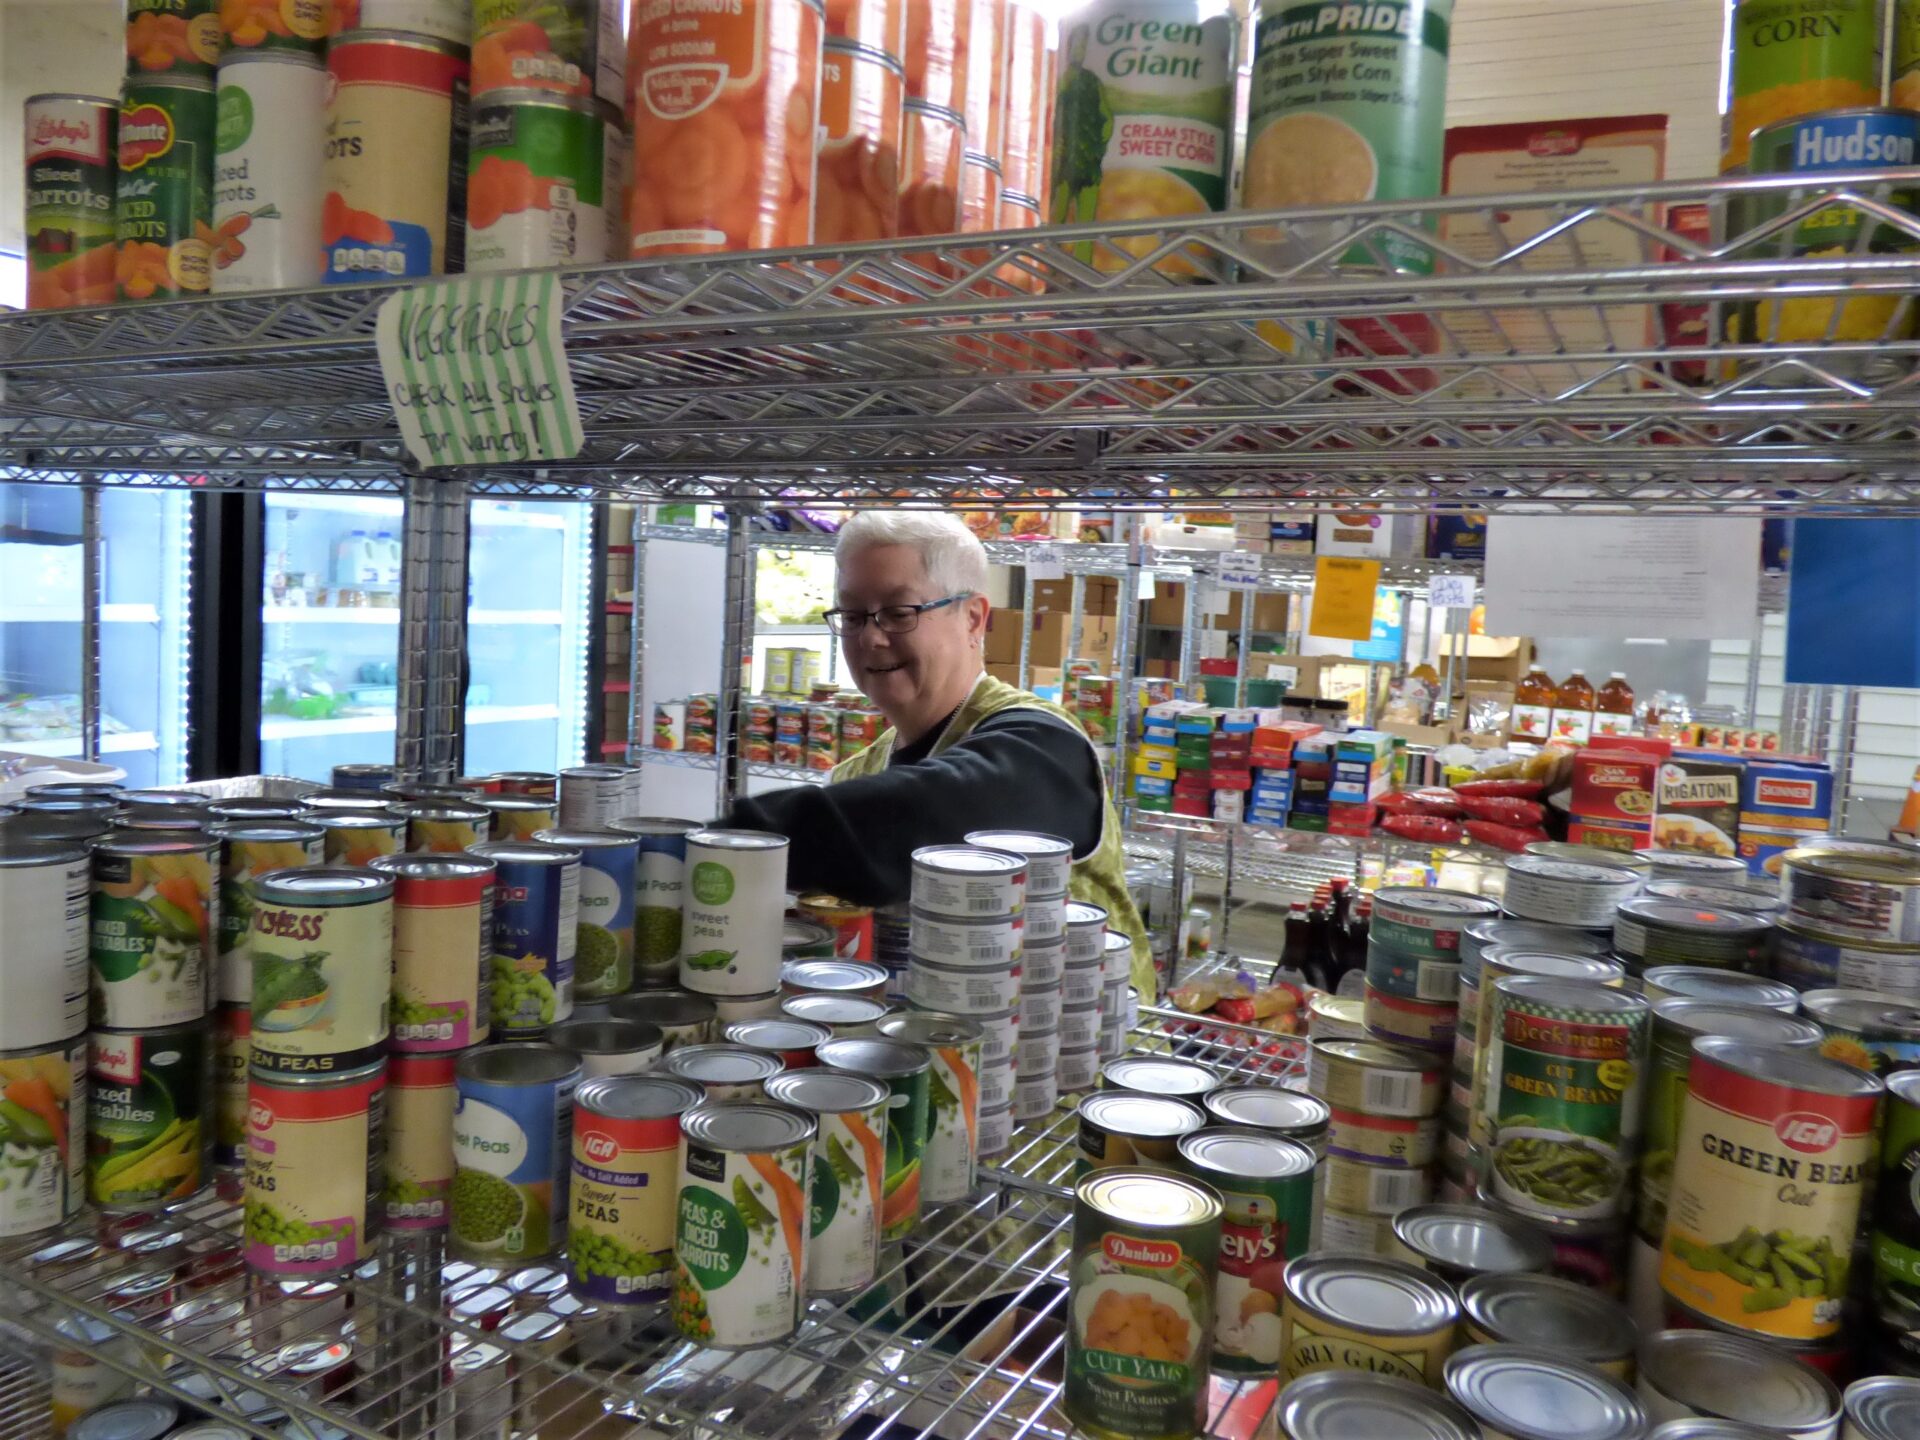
477,373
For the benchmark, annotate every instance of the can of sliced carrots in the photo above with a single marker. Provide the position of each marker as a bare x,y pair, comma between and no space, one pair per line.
939,40
980,189
724,106
985,106
861,91
172,37
877,24
1023,148
934,139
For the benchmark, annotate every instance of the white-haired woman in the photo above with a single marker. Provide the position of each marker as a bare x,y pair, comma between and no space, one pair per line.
963,750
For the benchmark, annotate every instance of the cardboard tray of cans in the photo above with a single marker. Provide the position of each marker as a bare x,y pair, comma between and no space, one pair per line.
960,1337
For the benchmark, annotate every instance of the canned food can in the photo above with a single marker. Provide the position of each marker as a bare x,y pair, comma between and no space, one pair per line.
1036,1052
1086,933
1363,1187
372,776
954,1099
1045,918
358,837
232,1064
1664,932
153,923
512,1123
967,944
1722,987
1289,1113
1789,60
1329,1403
792,1041
996,1130
963,991
315,1174
536,906
268,142
851,926
421,1094
1079,1027
1077,1069
1044,965
519,817
1153,1075
572,47
1382,1139
609,1047
45,897
1728,895
997,1080
163,194
1140,1303
963,882
1421,1024
735,883
839,1015
394,169
1560,892
1425,979
322,946
445,826
1514,1389
1774,1157
1808,962
1500,964
603,954
1531,936
443,19
1080,985
1266,1183
1896,1215
907,1070
1706,1374
626,1155
1116,956
1459,1242
998,1035
1525,1308
544,181
1426,925
45,1103
1035,1093
1854,896
727,1073
848,1164
1344,1312
834,977
1040,1009
659,896
741,1223
761,1006
683,1018
1875,1033
1049,858
592,796
442,950
71,160
1119,1128
149,1096
801,939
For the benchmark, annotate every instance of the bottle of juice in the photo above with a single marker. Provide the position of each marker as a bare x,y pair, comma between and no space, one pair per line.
1533,698
1613,707
1573,708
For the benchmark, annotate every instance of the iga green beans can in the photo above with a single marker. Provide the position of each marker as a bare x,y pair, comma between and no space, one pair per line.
1566,1062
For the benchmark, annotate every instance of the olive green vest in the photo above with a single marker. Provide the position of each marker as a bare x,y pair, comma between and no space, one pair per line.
1101,878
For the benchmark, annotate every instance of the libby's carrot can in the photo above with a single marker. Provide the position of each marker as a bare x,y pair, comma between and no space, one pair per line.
861,90
163,202
172,37
70,182
724,107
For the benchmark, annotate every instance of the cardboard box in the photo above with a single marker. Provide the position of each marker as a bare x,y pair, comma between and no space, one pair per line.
1614,785
1786,795
1101,595
1050,633
1697,803
1358,531
1610,834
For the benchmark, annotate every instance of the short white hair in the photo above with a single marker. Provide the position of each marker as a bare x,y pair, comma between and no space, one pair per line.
954,559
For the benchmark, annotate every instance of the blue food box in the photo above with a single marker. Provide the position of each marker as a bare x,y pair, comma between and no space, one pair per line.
1457,537
1786,795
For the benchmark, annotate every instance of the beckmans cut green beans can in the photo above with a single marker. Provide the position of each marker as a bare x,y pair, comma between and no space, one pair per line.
1140,1305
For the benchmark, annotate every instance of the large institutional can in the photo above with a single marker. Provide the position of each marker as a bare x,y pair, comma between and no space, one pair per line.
740,1233
626,1155
907,1070
1794,57
442,950
849,1158
593,795
149,1133
172,37
861,90
512,1126
736,881
71,159
948,1164
544,184
396,155
232,1064
268,140
1854,893
153,922
419,1148
250,849
603,954
44,901
1140,1304
43,1107
519,817
357,837
1699,1375
1386,1317
315,1174
658,889
163,196
536,903
322,970
445,826
1776,1152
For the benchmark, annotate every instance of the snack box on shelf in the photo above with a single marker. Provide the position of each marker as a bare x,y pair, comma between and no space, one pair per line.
1786,795
1610,834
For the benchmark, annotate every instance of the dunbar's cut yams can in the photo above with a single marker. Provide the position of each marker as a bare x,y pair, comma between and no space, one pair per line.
71,160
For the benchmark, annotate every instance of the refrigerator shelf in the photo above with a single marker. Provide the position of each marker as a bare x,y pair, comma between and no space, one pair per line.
390,615
68,747
285,727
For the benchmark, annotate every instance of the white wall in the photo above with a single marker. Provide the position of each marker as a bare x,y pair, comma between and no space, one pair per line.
50,45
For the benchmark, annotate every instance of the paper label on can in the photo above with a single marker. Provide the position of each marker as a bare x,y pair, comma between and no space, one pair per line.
907,1118
510,1176
232,1059
146,1135
1138,1337
313,1167
266,176
442,965
1263,1229
686,61
1309,1349
240,862
947,1164
733,922
151,934
620,1242
44,1108
739,1244
536,911
844,1237
322,984
46,909
658,887
419,1149
603,953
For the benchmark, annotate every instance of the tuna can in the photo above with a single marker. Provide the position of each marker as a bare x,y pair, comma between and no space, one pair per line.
1875,1033
1665,932
444,826
269,128
1045,919
1267,1184
322,945
1140,1304
848,1164
1076,1069
1461,1242
609,1047
1035,1053
1428,979
315,1173
841,1015
1565,1070
1079,1027
947,1164
592,796
1036,1090
1121,1128
544,182
834,977
735,883
1081,985
967,944
1336,1017
1289,1113
683,1019
996,1131
603,954
419,1151
1332,1404
741,1223
44,895
532,784
1882,1407
963,882
849,927
1049,858
1421,1024
998,1036
1426,925
1039,1009
232,1063
963,991
1692,865
1383,1139
1808,962
70,170
1854,896
1086,933
1362,1187
44,1113
1152,1075
442,950
519,817
907,1069
1722,987
511,1126
358,837
163,192
1341,1312
659,889
1707,1374
536,903
395,164
727,1073
1524,1392
626,1157
1774,1157
149,1131
793,1042
1116,956
1717,897
804,939
1529,935
1530,1309
1561,892
1044,966
572,47
1896,1223
153,921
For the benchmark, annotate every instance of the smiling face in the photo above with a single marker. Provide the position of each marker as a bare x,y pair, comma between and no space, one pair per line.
916,679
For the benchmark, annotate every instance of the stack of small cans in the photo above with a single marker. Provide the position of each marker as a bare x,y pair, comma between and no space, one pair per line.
1049,861
1381,1141
1119,1005
1081,1027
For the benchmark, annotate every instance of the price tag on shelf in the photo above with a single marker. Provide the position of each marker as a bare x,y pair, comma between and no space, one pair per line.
1045,562
476,371
1237,570
1451,592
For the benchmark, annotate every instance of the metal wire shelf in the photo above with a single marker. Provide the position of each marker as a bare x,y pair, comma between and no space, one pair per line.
959,1338
1532,367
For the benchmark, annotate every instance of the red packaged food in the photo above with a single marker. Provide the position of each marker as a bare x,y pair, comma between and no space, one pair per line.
1430,829
1504,837
1505,811
1513,789
1613,784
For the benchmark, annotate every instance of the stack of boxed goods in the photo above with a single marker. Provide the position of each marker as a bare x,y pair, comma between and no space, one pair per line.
1382,1138
1270,755
1312,783
1362,772
1229,773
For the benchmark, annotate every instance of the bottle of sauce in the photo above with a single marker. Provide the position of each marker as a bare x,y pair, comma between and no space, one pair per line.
1533,699
1573,709
1613,707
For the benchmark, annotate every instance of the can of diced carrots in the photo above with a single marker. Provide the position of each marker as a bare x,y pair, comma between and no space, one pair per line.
861,92
270,112
297,25
934,138
163,202
1023,148
543,182
877,24
938,44
724,106
570,47
172,37
69,208
980,188
986,94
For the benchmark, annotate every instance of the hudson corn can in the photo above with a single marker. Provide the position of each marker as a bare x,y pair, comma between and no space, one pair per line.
1794,57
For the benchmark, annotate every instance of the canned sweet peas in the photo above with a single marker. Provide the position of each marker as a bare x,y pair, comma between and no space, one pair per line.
512,1128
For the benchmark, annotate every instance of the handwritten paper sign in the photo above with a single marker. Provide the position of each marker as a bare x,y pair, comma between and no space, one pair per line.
1451,592
1044,562
1237,570
1343,591
476,371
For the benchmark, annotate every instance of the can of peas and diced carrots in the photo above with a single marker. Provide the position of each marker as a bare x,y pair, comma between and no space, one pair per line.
172,37
566,47
71,159
849,1158
395,164
152,926
163,189
246,850
43,1116
315,1173
861,90
442,950
512,1125
270,116
322,969
626,1155
296,27
724,111
949,1163
907,1069
149,1133
543,180
419,1142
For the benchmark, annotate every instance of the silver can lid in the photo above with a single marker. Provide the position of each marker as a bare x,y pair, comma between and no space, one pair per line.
147,1418
1732,1377
1746,1022
1374,1297
321,885
1864,1012
1293,1113
636,1097
1532,1394
828,977
930,1027
1155,1117
775,1034
1471,1238
527,1062
884,1058
1884,1407
587,839
828,1092
722,1064
416,865
1147,1075
525,852
1020,842
1417,902
752,1127
1573,1319
737,840
605,1037
1580,873
1353,1405
1225,1154
653,825
662,1007
832,1010
1786,1065
1727,987
969,860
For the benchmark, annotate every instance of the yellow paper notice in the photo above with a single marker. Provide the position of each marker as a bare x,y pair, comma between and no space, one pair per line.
1343,596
